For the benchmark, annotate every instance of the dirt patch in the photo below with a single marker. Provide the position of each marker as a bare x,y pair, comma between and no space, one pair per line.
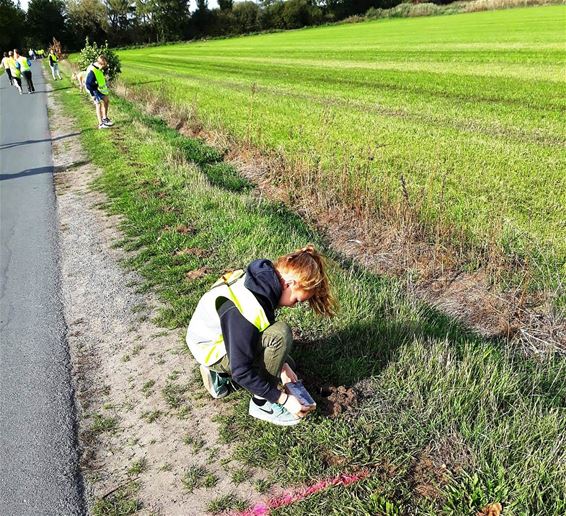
192,251
183,229
197,273
331,400
145,422
428,478
337,400
333,460
434,467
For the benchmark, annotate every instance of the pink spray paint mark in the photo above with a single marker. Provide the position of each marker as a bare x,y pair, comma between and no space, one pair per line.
263,509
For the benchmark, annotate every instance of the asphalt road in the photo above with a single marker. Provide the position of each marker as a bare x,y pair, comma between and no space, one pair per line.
39,472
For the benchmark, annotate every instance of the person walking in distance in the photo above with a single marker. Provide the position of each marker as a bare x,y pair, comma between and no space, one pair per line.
24,65
6,66
95,84
15,70
54,65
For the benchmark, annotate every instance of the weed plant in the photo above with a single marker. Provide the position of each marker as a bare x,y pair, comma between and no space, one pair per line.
120,503
225,503
102,423
447,421
193,478
458,120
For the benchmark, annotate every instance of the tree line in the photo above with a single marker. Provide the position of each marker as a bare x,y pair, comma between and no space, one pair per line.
128,22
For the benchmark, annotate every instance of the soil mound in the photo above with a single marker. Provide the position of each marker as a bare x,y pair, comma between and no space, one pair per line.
337,400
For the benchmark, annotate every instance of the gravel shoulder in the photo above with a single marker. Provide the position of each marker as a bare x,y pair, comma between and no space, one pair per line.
144,419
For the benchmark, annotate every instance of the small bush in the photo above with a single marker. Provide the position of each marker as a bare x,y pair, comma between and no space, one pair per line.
90,53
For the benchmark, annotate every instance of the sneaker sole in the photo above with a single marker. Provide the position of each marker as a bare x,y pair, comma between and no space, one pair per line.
206,380
266,417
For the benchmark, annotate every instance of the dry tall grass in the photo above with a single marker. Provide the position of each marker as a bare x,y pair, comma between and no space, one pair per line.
411,10
489,5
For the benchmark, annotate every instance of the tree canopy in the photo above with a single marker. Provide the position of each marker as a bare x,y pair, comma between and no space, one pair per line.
126,22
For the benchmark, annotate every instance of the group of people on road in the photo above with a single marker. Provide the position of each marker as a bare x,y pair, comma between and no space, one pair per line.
36,54
18,66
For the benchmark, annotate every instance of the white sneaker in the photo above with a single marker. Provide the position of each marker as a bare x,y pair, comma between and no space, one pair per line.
273,413
107,122
103,126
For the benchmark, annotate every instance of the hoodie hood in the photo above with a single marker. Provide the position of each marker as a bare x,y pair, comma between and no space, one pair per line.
263,281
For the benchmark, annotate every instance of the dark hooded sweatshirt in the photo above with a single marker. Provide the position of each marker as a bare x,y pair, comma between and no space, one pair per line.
241,337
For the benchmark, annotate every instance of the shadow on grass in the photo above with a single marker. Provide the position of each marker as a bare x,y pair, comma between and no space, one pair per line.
209,159
56,87
364,349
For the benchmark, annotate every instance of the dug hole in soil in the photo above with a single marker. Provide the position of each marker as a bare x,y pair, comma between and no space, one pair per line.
123,365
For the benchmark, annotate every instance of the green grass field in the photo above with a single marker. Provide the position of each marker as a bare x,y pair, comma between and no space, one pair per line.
449,422
469,109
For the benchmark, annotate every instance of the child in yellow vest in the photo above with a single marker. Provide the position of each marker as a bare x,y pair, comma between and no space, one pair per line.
15,72
6,66
234,336
54,65
23,64
95,84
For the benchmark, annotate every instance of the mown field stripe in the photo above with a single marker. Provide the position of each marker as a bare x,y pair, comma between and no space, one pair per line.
488,128
541,95
359,95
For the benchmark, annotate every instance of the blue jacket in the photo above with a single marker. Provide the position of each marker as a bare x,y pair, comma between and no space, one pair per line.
241,337
18,65
90,82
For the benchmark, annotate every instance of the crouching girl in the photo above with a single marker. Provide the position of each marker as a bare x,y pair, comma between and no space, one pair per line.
233,334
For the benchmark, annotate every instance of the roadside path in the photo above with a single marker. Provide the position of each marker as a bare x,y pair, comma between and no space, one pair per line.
38,459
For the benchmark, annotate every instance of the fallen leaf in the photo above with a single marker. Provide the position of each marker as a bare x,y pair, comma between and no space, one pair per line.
493,509
183,229
197,273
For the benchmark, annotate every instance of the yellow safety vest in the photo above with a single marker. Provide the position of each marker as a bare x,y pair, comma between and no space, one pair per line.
100,79
53,57
24,67
204,334
15,72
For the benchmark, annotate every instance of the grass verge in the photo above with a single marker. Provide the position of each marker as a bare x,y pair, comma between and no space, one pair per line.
446,422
